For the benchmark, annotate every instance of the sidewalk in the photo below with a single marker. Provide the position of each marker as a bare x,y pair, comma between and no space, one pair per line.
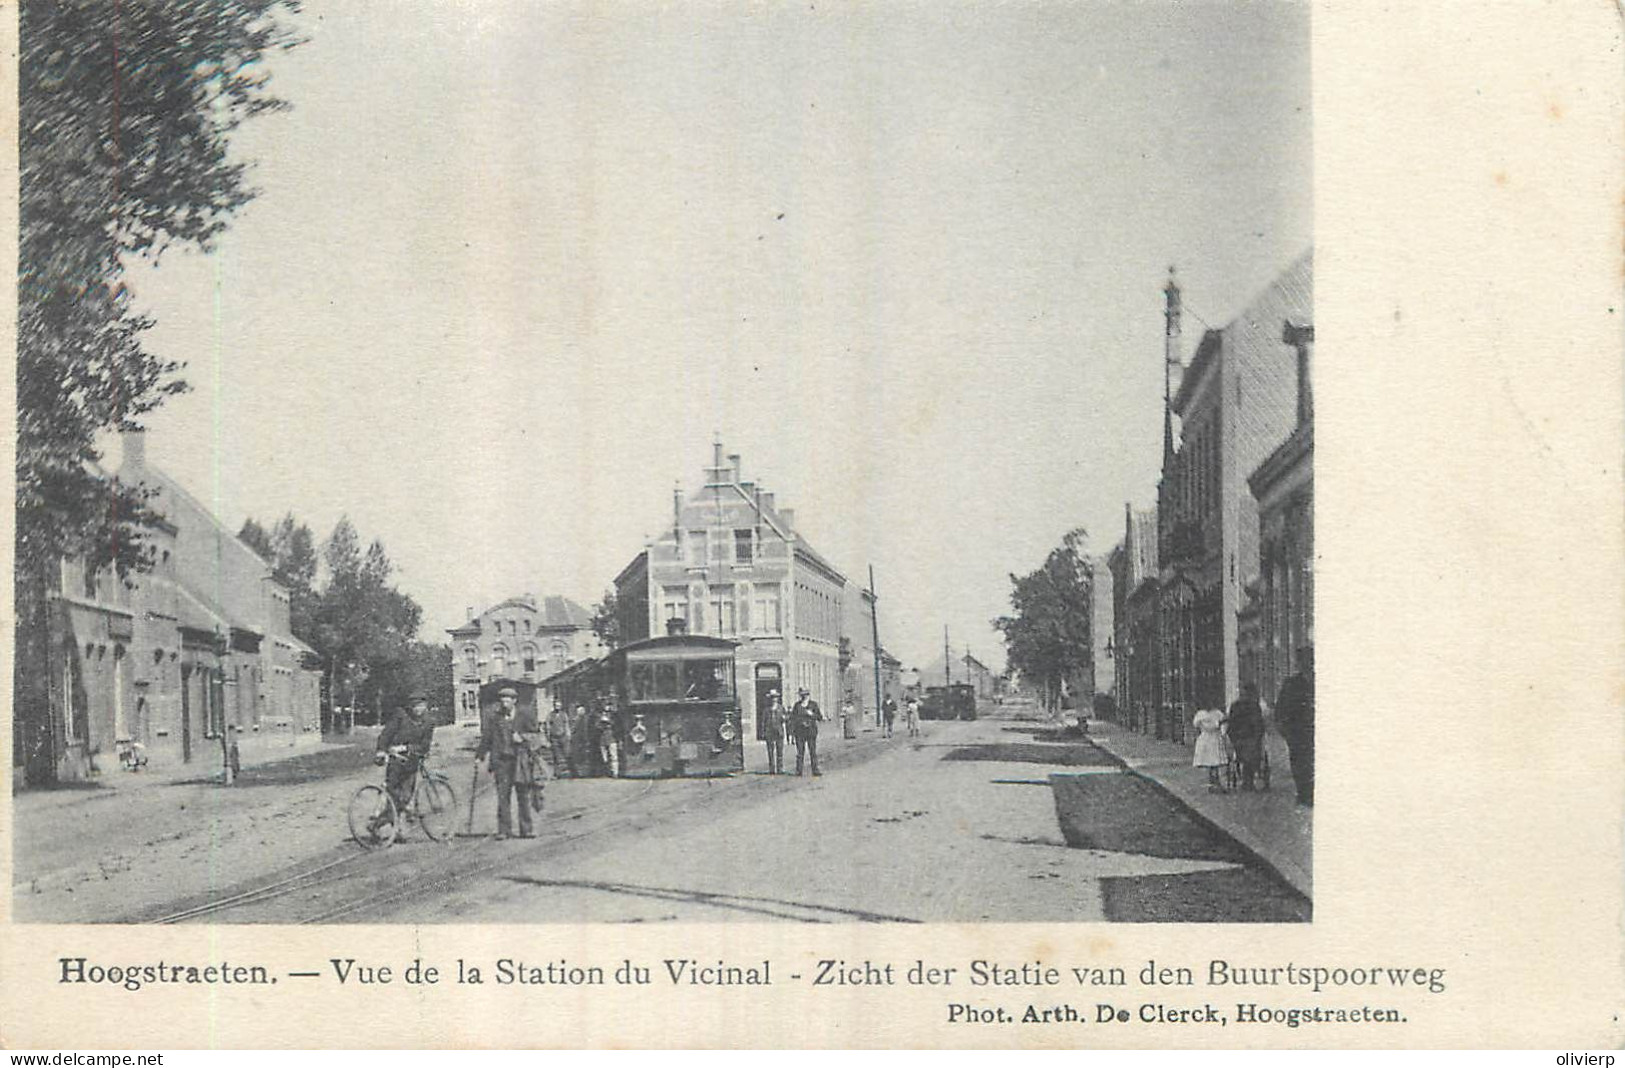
1269,824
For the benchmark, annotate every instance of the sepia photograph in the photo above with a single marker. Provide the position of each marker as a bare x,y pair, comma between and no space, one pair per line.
551,464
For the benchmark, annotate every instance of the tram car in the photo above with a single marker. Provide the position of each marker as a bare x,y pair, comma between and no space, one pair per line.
676,707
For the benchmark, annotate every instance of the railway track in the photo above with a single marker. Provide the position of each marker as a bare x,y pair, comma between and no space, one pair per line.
446,870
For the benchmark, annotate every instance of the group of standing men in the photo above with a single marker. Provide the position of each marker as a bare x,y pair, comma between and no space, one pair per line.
801,722
580,744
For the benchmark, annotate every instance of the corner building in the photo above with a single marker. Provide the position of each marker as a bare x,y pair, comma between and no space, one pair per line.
732,565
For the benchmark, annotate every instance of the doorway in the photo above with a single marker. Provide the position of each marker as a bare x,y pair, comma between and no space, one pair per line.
768,682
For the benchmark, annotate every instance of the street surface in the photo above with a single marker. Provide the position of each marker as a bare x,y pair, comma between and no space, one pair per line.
992,820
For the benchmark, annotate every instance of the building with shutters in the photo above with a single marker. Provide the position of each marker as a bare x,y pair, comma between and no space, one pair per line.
527,638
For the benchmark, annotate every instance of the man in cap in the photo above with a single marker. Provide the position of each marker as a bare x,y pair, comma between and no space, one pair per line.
558,739
511,739
408,736
773,732
804,719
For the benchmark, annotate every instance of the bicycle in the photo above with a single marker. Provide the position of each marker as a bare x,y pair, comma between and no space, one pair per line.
375,821
1233,776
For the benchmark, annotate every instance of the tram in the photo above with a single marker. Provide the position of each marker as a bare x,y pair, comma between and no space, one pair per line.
676,707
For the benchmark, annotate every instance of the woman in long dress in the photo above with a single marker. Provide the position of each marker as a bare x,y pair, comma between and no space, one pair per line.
1210,754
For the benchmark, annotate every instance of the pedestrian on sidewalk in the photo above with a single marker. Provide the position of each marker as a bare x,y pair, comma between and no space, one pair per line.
805,716
1246,730
558,739
912,709
1210,754
773,722
511,739
888,709
1295,719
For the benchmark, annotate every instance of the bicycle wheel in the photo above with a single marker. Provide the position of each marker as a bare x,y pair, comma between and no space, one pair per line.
436,805
373,820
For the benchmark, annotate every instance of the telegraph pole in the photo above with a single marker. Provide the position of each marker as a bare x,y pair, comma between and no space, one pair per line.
874,624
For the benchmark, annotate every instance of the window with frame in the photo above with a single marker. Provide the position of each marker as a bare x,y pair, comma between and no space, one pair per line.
694,548
674,603
499,659
722,610
471,660
530,659
744,546
764,616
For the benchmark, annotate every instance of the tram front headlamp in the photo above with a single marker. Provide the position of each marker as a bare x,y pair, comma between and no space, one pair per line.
727,731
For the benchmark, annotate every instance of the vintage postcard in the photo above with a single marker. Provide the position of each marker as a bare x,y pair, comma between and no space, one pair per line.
1059,524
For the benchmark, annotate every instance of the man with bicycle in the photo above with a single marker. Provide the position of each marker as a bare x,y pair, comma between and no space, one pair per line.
409,735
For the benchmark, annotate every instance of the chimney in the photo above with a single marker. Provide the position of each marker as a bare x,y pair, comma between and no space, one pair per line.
677,509
767,502
733,466
789,517
716,452
135,449
470,613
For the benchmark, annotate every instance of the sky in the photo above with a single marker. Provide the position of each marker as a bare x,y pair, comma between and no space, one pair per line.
513,266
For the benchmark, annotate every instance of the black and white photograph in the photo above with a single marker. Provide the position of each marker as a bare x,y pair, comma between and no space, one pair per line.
540,463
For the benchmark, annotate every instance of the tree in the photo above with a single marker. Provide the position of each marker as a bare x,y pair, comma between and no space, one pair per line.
606,619
125,114
362,624
1048,639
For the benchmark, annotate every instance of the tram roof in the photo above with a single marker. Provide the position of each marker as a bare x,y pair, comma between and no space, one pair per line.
673,642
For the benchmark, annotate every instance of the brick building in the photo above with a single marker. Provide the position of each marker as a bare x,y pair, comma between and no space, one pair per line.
1283,609
183,661
527,637
1236,403
733,565
1133,566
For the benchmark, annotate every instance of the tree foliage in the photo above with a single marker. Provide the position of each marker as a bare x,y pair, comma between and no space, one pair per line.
363,625
125,115
606,619
1048,635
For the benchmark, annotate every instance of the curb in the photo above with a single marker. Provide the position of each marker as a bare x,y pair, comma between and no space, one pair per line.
1245,846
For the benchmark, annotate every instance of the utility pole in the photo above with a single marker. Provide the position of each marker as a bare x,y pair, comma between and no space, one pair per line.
874,624
947,664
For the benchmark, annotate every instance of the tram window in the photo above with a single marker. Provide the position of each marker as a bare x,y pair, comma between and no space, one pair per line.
667,681
641,681
704,680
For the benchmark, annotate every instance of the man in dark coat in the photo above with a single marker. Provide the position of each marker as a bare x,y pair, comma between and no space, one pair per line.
511,738
773,733
1246,730
804,719
888,709
1295,719
408,735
